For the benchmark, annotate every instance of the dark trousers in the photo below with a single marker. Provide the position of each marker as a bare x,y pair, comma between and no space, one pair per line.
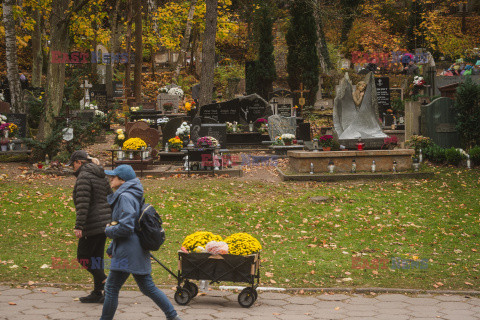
90,253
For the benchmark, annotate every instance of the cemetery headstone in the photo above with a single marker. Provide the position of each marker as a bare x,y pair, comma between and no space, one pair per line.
195,129
164,99
228,111
117,89
170,129
137,124
218,131
438,122
396,94
253,107
20,119
150,136
303,131
98,93
278,125
84,115
383,93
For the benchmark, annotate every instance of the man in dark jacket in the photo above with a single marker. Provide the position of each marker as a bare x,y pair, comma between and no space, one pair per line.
93,214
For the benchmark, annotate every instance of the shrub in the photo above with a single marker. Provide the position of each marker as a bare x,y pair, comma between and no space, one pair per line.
453,156
475,155
435,153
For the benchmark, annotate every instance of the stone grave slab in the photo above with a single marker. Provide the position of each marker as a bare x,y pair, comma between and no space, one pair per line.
150,136
164,98
278,125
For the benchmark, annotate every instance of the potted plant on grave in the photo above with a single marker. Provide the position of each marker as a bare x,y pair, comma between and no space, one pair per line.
134,144
175,144
262,125
119,141
207,142
183,132
168,107
326,142
390,143
287,138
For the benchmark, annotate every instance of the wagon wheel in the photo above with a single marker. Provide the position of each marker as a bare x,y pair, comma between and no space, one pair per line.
246,298
255,293
182,296
192,288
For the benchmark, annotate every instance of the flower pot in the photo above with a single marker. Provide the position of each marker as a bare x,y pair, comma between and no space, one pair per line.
173,150
287,143
327,148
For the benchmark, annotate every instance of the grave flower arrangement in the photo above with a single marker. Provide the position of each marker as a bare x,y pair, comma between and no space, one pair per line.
390,142
326,141
278,141
183,131
120,138
3,119
176,91
175,143
262,125
136,109
91,106
134,144
207,142
287,138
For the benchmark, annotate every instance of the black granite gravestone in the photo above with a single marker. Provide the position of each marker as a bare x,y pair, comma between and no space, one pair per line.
284,110
383,93
218,131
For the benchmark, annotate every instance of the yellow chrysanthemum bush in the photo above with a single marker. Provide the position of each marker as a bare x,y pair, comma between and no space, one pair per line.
134,144
199,239
242,244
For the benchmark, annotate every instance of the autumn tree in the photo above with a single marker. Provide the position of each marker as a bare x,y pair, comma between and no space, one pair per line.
302,59
11,55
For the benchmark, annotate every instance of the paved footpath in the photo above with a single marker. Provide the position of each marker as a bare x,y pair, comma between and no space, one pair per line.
55,303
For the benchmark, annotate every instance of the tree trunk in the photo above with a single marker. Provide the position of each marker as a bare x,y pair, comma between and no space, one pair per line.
113,50
208,53
185,40
137,88
11,57
322,49
59,22
128,38
37,50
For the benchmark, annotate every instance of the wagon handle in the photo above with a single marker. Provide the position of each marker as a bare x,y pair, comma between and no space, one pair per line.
164,267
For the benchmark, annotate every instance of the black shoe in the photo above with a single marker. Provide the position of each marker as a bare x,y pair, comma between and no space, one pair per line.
93,297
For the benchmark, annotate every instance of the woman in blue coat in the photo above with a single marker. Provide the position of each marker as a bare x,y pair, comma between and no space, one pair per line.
128,257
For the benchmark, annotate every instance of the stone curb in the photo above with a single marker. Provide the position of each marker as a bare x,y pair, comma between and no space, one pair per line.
287,290
355,176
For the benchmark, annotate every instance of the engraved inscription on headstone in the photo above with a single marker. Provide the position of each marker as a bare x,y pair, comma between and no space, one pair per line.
383,93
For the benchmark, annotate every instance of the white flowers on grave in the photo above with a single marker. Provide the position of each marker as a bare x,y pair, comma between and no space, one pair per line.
288,137
91,106
3,119
134,109
162,120
176,91
99,113
183,130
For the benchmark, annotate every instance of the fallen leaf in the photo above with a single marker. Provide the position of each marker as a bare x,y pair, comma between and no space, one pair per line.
12,303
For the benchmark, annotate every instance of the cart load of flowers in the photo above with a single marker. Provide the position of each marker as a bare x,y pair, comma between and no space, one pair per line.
134,144
236,244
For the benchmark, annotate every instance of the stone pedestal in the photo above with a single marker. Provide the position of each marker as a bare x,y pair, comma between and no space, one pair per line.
412,118
300,160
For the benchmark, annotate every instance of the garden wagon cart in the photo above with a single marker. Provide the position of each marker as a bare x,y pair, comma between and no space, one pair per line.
216,268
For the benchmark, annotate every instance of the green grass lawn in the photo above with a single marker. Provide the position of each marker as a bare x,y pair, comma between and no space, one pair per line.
304,244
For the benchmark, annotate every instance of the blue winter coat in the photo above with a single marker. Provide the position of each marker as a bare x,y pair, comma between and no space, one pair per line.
127,253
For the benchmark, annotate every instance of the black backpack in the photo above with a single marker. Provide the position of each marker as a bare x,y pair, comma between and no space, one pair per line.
149,228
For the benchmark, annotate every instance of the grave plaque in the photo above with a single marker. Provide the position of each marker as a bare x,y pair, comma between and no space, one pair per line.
218,131
256,110
210,111
20,119
383,93
228,111
117,89
284,110
98,93
396,94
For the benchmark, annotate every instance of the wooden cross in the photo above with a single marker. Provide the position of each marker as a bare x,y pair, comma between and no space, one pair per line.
301,100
